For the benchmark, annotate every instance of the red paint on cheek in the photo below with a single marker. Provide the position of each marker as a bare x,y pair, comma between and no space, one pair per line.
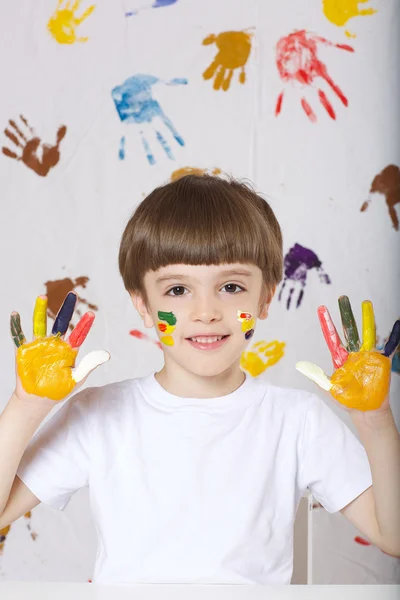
162,327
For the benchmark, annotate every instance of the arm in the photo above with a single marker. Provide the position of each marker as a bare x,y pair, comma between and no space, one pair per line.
18,422
376,511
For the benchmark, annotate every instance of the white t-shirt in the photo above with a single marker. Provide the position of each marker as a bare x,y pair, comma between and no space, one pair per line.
188,490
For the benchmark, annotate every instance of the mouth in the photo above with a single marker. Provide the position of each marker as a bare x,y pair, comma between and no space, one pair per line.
211,345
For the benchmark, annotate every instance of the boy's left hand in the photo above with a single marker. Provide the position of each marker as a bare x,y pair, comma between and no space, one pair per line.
362,378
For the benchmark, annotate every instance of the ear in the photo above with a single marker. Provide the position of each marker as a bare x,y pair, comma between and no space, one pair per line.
266,300
142,309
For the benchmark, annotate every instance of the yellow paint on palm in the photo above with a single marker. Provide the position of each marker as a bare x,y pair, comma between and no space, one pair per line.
254,361
338,12
40,317
368,326
363,381
44,367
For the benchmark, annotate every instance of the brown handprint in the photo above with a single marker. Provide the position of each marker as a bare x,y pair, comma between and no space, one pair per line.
234,49
387,182
35,154
58,289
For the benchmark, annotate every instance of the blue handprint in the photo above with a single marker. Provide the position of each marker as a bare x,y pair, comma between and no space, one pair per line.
135,104
155,4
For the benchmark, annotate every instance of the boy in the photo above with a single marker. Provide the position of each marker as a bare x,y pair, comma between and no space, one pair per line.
196,471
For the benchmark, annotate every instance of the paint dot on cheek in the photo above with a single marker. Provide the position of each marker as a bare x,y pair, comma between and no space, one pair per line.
249,334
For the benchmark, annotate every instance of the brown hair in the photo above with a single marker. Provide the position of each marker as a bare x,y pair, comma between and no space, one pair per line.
200,220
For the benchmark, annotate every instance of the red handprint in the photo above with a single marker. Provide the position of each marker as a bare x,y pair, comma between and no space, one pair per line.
297,60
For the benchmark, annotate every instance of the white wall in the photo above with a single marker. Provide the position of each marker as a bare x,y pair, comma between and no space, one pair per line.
316,176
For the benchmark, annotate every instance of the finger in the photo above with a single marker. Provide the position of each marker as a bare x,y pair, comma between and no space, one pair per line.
80,332
349,325
315,373
40,317
368,326
88,363
338,352
393,341
16,330
65,313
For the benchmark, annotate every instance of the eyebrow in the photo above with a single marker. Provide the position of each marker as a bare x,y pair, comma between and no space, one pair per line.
241,272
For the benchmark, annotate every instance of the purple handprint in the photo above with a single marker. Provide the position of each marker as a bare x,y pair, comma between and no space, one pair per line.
298,261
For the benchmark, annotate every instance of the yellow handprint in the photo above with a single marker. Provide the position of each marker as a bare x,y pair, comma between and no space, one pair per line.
63,23
234,49
339,12
362,379
253,360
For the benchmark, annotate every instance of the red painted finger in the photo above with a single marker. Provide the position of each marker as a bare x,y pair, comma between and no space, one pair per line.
338,352
80,332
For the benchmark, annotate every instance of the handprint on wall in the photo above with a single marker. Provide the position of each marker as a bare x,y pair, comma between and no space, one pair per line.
297,263
387,183
339,12
297,61
135,104
178,173
35,154
233,51
57,290
155,4
262,356
64,22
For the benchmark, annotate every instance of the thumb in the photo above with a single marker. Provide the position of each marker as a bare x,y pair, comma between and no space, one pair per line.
89,363
315,373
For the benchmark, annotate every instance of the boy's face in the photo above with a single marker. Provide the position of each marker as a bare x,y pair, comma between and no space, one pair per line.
208,301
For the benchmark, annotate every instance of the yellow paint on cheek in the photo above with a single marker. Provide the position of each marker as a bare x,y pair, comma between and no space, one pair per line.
45,367
168,340
247,325
363,381
165,328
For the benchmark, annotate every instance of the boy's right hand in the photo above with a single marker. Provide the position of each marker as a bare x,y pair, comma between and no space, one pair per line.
45,367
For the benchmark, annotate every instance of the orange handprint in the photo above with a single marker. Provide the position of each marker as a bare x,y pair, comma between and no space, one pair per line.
362,379
35,154
253,360
63,23
234,49
45,366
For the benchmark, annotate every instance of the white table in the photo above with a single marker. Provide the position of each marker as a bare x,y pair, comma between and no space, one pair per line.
16,590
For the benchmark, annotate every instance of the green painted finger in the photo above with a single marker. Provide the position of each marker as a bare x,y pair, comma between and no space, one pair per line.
349,325
16,330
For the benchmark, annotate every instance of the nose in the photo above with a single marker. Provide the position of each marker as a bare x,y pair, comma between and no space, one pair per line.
206,309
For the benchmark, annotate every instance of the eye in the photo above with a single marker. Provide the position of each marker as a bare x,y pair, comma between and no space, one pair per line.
235,285
177,287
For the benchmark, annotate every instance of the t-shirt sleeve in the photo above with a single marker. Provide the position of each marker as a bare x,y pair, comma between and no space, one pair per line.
56,461
334,463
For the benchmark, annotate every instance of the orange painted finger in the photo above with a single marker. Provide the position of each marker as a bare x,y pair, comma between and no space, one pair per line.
80,332
338,352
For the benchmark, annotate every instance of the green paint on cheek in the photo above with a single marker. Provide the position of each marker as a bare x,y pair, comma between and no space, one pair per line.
169,317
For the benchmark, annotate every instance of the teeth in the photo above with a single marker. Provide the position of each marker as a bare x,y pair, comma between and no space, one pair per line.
206,340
